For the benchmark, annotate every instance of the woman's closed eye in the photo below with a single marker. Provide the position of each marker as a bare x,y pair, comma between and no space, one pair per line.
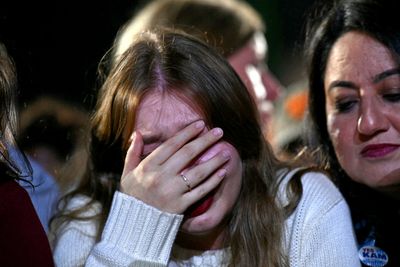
345,105
392,97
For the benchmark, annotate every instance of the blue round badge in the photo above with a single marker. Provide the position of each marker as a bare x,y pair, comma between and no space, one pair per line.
373,256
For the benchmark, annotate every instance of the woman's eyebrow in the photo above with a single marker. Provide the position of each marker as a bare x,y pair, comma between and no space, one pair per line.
385,74
344,84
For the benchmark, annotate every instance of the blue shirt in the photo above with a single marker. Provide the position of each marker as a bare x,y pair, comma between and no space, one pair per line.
44,193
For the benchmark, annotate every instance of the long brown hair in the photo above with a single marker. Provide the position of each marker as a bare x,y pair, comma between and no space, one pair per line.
13,162
8,88
176,63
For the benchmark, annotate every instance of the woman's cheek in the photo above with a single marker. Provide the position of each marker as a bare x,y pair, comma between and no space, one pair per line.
334,125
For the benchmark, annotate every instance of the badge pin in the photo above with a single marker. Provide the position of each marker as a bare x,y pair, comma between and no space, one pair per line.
373,256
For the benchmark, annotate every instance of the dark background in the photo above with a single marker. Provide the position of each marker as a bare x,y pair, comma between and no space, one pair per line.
57,45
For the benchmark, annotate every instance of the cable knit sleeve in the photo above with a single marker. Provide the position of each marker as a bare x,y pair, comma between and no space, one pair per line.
320,232
135,234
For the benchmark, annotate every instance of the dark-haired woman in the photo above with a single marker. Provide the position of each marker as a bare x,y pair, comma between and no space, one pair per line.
354,74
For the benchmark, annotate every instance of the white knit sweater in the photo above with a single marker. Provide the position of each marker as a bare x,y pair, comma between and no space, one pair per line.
318,234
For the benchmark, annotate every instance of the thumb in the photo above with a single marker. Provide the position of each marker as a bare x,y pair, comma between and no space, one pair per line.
132,158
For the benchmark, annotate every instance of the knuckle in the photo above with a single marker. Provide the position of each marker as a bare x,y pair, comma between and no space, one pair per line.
174,142
202,192
196,173
188,151
143,168
149,183
154,183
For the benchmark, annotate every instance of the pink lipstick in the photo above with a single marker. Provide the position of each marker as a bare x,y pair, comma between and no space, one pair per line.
378,150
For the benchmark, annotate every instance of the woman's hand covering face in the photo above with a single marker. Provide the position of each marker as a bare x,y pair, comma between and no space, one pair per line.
156,180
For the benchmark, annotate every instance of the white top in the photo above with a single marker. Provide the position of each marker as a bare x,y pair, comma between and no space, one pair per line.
318,233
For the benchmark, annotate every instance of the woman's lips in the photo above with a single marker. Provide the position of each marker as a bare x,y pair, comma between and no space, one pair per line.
379,150
200,206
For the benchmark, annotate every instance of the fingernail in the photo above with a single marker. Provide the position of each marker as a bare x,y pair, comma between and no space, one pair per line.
221,173
217,131
199,124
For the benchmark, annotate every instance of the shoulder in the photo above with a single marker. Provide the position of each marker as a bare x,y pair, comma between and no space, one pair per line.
44,192
42,180
320,197
74,239
82,225
85,215
320,221
12,193
315,185
83,203
318,184
15,210
15,204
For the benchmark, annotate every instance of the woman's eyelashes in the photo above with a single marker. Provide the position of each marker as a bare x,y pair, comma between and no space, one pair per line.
392,97
345,105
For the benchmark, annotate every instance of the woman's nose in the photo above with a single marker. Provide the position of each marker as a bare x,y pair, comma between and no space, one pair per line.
372,118
271,83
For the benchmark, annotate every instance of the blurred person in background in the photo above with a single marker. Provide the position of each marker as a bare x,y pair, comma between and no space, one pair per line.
287,127
52,133
233,27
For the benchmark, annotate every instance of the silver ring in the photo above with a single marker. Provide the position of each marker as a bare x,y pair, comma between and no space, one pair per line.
186,181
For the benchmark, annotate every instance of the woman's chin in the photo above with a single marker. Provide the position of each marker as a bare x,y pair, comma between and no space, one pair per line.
204,222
